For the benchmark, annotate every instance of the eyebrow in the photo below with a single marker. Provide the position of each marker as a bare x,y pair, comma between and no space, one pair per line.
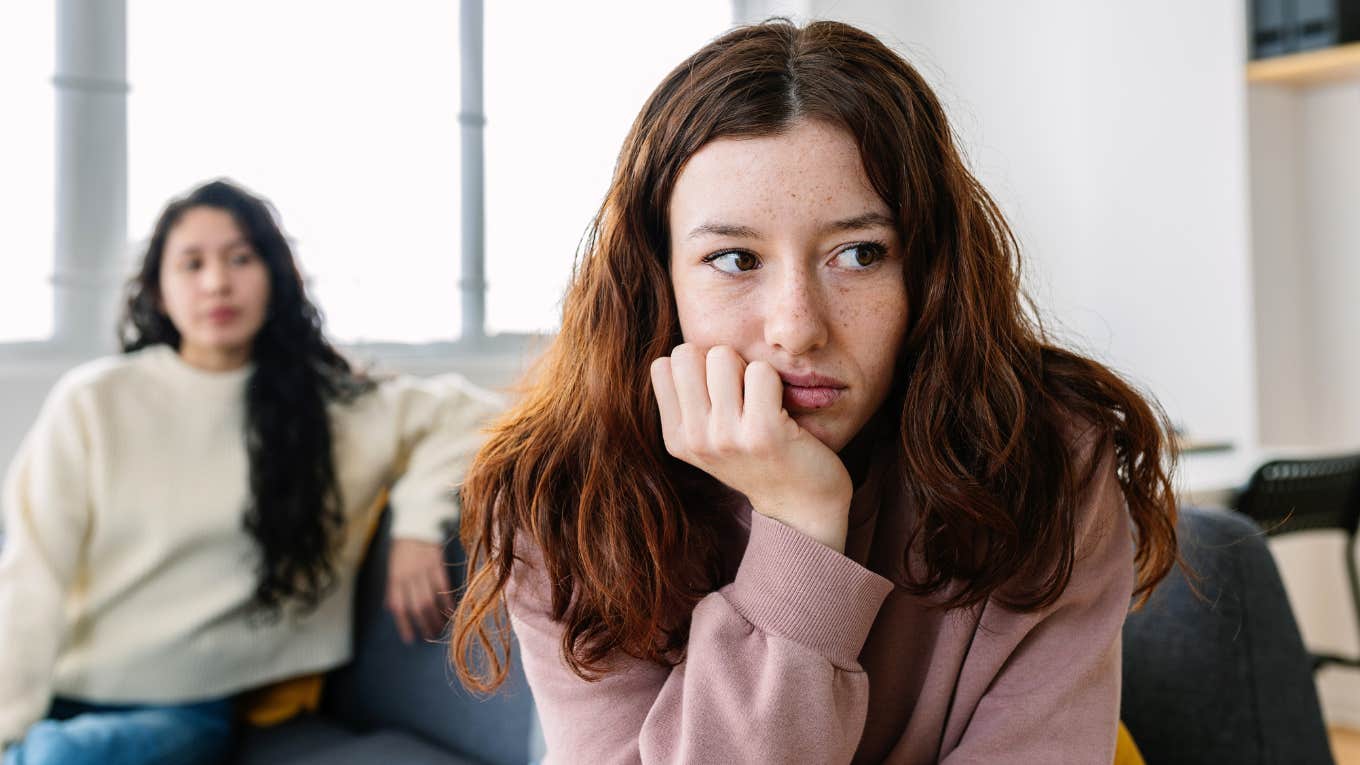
236,243
862,221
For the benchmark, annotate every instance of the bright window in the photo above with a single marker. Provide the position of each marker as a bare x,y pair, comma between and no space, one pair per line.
563,84
343,114
27,168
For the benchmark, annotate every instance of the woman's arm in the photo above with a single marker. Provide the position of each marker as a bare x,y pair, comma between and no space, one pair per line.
771,671
1056,695
439,424
46,513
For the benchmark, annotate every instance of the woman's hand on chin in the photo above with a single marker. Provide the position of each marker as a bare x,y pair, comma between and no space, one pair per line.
726,417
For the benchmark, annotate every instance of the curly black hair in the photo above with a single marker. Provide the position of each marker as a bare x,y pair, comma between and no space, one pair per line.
295,513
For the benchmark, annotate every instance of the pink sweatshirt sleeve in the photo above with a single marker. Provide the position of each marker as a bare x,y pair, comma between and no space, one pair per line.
771,673
1055,696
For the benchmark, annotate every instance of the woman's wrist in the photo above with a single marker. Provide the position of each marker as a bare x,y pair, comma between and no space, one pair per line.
827,524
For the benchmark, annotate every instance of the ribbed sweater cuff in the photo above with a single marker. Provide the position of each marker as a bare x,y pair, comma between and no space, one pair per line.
792,585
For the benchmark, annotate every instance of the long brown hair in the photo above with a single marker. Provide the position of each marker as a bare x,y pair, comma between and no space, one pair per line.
987,404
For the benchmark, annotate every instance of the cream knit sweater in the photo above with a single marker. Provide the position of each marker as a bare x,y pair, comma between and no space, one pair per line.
125,574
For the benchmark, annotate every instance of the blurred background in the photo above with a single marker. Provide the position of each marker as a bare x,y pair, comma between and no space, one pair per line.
1187,215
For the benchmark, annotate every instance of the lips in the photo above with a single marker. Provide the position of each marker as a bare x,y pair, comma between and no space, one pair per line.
809,391
223,315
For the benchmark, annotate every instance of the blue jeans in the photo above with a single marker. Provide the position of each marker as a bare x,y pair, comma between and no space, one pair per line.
78,733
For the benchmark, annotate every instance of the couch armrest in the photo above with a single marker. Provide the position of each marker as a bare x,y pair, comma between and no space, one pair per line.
413,689
1224,678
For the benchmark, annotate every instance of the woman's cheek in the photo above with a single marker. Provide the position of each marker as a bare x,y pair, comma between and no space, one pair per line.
713,317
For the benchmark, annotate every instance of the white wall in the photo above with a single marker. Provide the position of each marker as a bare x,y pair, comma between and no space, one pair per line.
22,390
1281,267
1329,133
1305,168
1114,139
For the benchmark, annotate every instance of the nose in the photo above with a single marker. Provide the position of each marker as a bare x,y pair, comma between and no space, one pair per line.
215,278
796,315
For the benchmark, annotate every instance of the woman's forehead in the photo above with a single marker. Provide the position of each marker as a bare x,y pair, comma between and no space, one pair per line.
205,227
811,174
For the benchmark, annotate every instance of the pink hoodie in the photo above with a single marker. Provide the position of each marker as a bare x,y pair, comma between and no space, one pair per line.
811,656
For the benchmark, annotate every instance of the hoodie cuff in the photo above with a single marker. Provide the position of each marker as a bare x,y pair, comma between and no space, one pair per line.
793,586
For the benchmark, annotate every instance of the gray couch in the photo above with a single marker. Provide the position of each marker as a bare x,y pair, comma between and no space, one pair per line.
1225,677
400,705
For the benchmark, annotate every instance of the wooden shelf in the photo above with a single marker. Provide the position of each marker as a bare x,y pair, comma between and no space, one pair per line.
1316,66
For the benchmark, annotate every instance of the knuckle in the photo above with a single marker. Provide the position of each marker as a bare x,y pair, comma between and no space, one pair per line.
760,441
723,444
694,436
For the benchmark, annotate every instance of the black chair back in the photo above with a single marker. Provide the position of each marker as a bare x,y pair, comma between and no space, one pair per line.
1285,496
1288,496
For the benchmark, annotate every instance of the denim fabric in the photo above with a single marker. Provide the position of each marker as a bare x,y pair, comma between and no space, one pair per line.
78,733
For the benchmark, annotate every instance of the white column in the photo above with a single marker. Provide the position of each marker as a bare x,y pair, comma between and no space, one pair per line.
91,166
472,124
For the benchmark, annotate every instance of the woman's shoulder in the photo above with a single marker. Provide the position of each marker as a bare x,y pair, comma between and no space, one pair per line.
1101,509
106,372
84,392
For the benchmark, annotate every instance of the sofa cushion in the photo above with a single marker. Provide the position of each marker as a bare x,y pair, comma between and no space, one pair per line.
289,742
411,688
1223,677
311,740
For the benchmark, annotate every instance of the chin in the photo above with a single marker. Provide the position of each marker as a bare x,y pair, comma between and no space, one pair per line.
826,432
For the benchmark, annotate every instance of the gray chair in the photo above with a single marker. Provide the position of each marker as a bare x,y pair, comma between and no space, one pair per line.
400,705
1225,677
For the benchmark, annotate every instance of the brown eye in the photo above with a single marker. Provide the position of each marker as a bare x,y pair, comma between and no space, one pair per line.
860,256
733,261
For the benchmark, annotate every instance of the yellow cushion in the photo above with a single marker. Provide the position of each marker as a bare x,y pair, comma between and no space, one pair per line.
281,701
1125,751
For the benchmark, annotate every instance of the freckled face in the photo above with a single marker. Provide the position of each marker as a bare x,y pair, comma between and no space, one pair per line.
781,249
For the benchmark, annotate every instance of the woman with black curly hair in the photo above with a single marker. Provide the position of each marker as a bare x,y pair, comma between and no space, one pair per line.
185,520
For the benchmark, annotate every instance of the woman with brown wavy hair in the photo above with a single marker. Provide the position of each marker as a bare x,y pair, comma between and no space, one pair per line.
801,479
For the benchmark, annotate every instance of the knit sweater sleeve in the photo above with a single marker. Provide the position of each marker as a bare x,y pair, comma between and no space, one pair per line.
46,511
771,671
1055,696
439,423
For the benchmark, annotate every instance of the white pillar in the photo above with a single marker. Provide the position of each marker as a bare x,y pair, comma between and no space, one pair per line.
91,166
472,124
